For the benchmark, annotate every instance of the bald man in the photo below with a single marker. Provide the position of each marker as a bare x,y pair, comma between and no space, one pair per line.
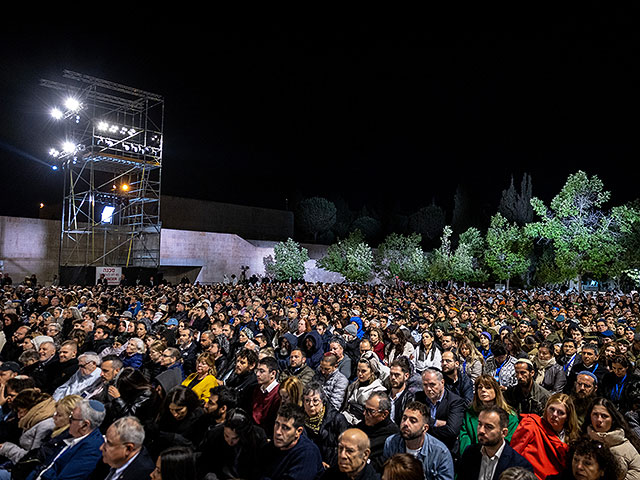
353,455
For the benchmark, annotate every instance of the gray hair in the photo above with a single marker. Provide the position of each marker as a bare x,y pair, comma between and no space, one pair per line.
92,411
129,430
384,402
437,373
91,357
315,387
140,347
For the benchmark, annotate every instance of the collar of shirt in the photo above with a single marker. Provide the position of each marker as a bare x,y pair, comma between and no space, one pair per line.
488,464
495,455
72,441
118,471
270,387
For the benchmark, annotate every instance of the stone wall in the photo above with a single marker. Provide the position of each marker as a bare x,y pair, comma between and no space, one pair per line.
30,246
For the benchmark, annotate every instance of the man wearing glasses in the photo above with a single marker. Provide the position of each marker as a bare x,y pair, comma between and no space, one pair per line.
378,426
81,452
124,452
86,376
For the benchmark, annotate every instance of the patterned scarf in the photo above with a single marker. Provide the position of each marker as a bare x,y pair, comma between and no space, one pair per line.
314,422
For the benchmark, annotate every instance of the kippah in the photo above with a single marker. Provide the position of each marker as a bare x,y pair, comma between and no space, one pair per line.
524,360
587,372
96,405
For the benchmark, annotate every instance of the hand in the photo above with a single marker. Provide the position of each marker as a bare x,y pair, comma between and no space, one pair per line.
113,392
440,423
3,399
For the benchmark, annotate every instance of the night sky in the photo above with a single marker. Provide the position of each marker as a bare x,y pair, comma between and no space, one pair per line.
388,115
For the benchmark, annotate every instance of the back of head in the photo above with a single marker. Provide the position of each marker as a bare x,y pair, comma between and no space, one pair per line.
404,466
177,463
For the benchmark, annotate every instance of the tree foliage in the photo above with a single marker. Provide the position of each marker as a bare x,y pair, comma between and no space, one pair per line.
401,256
352,258
315,215
455,264
429,221
516,206
585,237
508,252
287,263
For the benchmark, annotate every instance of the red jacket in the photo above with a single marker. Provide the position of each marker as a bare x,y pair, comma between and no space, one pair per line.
536,441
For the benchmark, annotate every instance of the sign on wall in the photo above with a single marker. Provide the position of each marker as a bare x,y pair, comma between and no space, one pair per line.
112,274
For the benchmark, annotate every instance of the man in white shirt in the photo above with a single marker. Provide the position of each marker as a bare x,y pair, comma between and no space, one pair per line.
86,376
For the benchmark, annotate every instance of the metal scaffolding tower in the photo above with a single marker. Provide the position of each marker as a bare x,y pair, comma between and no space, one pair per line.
112,163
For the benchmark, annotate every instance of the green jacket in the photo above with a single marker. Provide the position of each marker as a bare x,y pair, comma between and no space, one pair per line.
469,431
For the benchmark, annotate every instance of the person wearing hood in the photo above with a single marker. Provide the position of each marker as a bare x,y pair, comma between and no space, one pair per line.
355,318
312,345
285,344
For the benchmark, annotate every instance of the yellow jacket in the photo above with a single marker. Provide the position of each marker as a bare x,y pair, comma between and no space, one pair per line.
203,387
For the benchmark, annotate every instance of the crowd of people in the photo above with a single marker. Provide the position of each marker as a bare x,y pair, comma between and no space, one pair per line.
261,380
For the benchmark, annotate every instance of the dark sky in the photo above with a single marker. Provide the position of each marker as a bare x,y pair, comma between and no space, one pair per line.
392,115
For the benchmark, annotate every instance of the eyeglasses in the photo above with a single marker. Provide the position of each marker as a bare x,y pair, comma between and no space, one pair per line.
371,411
71,419
312,401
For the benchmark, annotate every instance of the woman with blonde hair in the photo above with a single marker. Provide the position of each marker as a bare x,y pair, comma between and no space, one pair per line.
472,359
544,440
291,391
487,392
204,378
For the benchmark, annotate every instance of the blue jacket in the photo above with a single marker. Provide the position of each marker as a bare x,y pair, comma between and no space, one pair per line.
302,462
434,455
77,463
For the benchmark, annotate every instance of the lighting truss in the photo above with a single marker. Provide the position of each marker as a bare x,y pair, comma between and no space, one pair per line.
111,136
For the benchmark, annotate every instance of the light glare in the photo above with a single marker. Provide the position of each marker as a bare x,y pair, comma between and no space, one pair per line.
72,104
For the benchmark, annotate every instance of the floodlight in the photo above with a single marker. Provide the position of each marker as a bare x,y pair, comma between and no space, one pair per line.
54,167
68,147
54,153
56,113
124,187
72,104
103,126
107,214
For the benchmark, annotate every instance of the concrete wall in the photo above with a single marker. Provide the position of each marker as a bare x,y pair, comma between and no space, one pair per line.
204,216
30,246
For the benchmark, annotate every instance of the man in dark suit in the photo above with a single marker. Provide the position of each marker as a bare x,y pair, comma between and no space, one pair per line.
446,408
123,455
492,455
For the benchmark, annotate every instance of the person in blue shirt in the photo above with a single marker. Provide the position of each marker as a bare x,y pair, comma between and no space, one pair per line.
415,440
